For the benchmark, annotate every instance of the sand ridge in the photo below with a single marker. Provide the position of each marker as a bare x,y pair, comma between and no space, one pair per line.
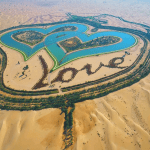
31,130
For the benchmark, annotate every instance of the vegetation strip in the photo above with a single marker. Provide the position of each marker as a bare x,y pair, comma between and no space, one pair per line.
75,44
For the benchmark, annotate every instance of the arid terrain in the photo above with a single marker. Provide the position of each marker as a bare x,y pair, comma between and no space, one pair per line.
118,121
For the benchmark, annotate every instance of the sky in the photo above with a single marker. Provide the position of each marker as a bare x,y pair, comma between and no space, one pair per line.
87,1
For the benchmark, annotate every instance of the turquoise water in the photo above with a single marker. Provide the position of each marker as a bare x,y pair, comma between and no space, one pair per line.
51,42
56,51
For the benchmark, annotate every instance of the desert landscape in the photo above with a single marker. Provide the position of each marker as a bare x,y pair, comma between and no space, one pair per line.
119,120
14,70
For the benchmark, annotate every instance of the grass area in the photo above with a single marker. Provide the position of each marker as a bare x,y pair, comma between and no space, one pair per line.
94,30
75,44
67,28
28,37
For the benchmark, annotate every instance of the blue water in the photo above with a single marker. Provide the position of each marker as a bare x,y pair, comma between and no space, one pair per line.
127,41
51,42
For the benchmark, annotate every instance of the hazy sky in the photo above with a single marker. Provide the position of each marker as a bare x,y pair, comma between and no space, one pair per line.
133,10
93,1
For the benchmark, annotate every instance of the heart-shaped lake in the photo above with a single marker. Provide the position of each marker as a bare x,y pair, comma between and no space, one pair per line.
50,37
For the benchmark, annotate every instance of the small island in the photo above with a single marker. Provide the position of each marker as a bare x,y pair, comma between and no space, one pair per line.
60,35
74,43
66,28
94,29
28,37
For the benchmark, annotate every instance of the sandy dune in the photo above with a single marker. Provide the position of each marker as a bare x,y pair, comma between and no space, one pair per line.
112,21
25,12
118,121
35,130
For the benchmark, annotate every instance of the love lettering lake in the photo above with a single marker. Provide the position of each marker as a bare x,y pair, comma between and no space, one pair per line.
52,36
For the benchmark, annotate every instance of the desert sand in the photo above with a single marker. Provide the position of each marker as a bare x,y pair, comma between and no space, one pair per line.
25,12
35,130
15,65
118,121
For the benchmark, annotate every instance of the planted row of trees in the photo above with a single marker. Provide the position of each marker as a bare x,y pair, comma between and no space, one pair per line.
66,28
68,124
